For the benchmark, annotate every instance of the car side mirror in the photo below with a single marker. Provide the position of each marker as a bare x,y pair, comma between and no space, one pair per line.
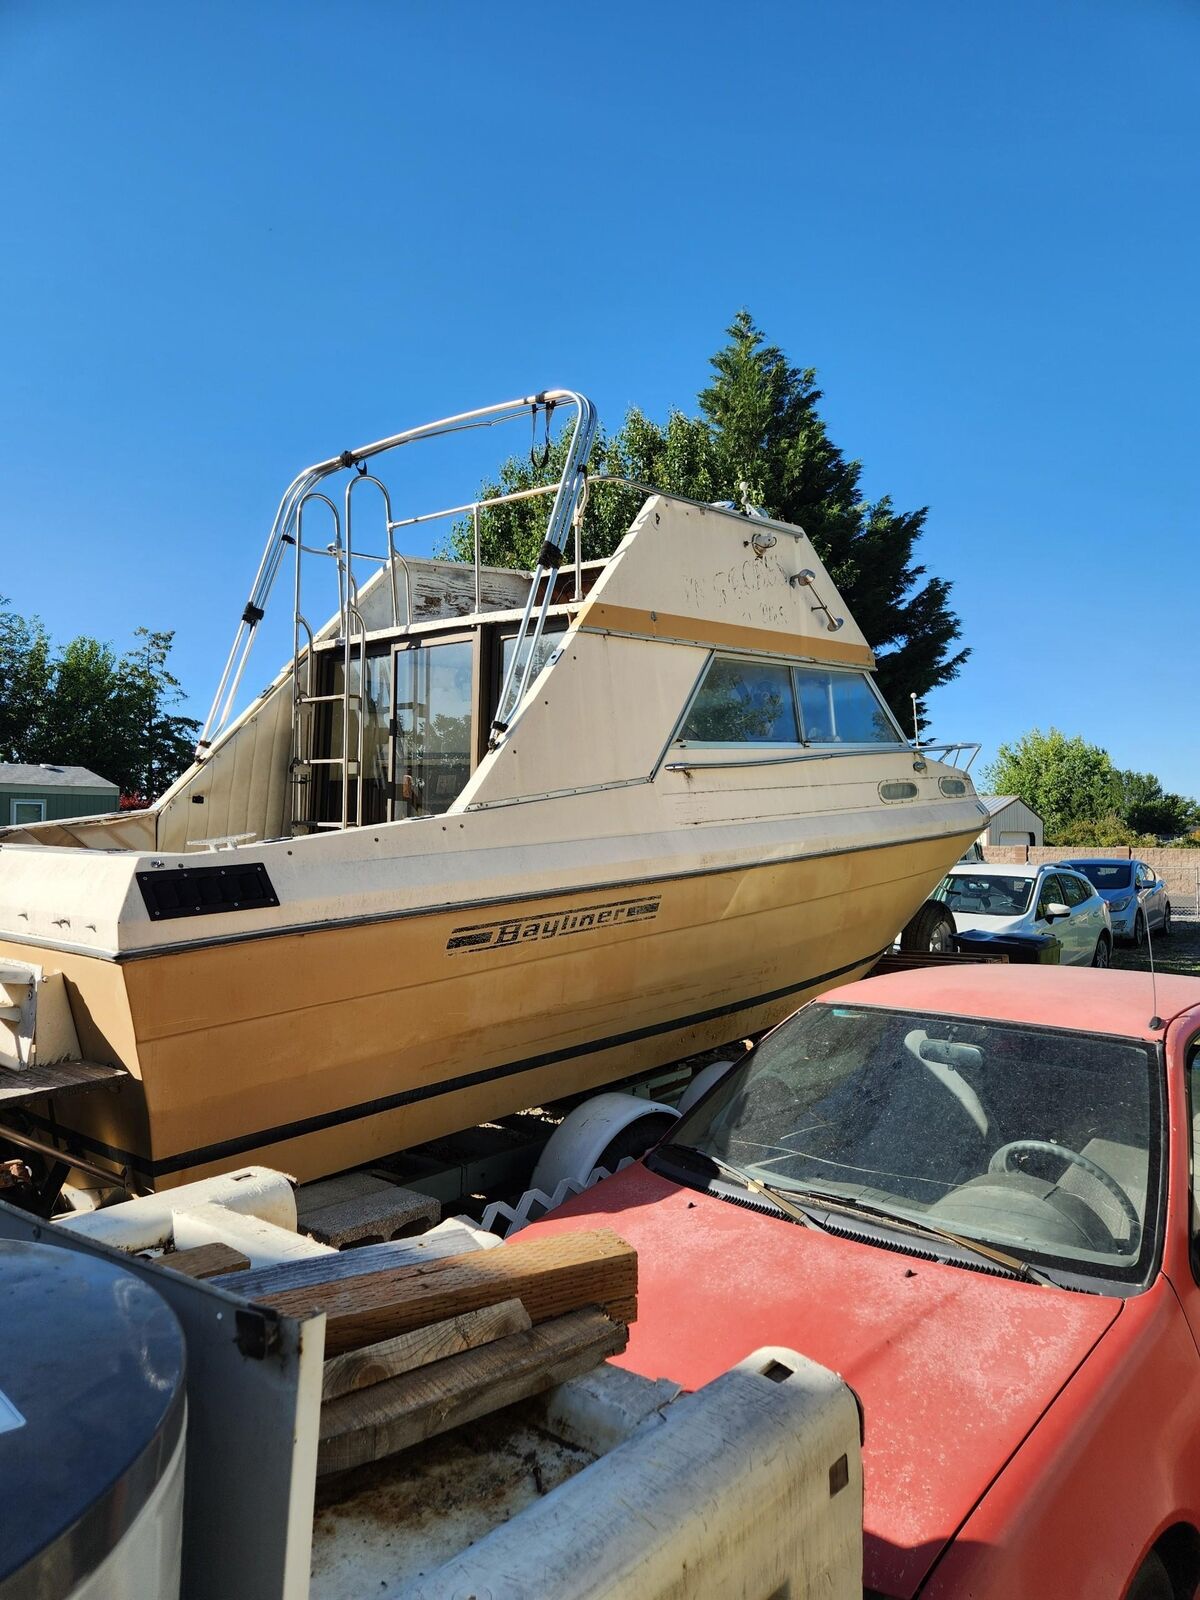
1055,910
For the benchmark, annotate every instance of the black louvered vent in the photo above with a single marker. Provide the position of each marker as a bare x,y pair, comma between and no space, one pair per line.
206,891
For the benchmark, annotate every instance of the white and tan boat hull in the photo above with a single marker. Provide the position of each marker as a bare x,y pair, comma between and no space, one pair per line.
333,1047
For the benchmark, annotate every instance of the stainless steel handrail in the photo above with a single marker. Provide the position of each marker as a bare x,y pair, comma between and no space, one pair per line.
282,529
951,750
562,516
819,753
823,753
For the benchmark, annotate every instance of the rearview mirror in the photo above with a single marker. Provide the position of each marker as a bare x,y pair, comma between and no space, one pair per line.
1056,909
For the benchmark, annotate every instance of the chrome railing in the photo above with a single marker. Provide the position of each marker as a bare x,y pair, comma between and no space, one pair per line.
951,754
568,492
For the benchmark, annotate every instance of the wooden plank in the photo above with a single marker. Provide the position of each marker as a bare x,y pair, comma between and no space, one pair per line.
550,1275
403,1411
63,1076
205,1260
357,1369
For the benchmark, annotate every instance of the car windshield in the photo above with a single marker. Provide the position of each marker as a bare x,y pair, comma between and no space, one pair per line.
1040,1142
1106,874
992,894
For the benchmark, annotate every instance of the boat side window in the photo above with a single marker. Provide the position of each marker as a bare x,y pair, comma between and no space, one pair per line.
842,708
744,702
553,635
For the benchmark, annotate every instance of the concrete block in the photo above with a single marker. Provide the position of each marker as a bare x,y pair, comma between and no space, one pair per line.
323,1192
372,1217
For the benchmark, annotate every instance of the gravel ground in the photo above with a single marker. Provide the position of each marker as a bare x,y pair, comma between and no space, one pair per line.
1180,953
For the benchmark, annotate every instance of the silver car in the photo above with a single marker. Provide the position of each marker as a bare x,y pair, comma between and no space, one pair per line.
1055,900
1135,895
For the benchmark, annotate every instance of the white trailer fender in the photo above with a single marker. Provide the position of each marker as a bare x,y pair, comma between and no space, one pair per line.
574,1149
702,1083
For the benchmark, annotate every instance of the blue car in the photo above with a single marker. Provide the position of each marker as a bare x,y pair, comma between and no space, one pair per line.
1135,894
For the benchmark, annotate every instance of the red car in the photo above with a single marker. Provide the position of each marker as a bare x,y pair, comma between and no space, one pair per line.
969,1191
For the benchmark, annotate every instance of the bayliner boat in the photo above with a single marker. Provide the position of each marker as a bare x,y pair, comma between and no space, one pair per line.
490,839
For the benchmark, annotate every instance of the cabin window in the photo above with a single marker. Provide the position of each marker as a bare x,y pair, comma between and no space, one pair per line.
434,701
23,811
842,708
553,635
742,701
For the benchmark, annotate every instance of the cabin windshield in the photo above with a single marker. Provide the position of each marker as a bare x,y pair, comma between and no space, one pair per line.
743,701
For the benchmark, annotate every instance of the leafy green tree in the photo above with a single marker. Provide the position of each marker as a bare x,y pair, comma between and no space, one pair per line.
25,677
1147,809
1082,798
83,705
759,426
1103,833
1067,781
161,741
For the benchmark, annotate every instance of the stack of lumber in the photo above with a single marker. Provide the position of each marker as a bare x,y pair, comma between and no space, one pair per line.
413,1350
205,1261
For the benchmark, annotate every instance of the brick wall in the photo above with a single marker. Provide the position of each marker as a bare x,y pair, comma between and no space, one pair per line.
1178,869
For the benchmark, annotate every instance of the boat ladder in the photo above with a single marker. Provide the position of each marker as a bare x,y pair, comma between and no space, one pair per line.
346,704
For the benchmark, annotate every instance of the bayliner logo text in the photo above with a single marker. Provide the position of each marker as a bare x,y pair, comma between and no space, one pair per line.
529,930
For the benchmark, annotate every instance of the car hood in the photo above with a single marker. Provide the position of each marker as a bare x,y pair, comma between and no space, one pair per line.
952,1367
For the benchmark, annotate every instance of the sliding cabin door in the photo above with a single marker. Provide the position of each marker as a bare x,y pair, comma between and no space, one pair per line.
433,744
324,779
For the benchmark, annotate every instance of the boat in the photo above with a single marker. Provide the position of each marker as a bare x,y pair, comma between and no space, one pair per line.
490,839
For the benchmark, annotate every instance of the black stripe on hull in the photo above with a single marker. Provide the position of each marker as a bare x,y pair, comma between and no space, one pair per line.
203,1155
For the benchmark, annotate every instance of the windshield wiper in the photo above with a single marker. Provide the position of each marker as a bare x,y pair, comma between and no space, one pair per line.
710,1163
1019,1267
785,1198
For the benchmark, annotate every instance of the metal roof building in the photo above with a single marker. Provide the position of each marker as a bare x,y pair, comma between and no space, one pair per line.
1011,821
47,792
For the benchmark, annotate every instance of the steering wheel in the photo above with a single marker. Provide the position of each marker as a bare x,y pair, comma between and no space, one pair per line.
999,1163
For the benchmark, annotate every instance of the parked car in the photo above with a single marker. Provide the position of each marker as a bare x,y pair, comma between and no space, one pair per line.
990,898
967,1190
1135,895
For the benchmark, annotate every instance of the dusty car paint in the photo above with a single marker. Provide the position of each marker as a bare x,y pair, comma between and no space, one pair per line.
1020,1439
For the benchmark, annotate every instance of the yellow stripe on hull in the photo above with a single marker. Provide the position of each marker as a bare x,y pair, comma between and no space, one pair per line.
280,1049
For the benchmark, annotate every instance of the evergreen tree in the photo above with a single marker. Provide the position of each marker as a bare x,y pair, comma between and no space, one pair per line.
759,426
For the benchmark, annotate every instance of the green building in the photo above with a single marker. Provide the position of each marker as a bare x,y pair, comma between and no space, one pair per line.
49,793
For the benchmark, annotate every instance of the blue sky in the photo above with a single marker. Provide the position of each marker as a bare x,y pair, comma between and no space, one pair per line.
238,237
